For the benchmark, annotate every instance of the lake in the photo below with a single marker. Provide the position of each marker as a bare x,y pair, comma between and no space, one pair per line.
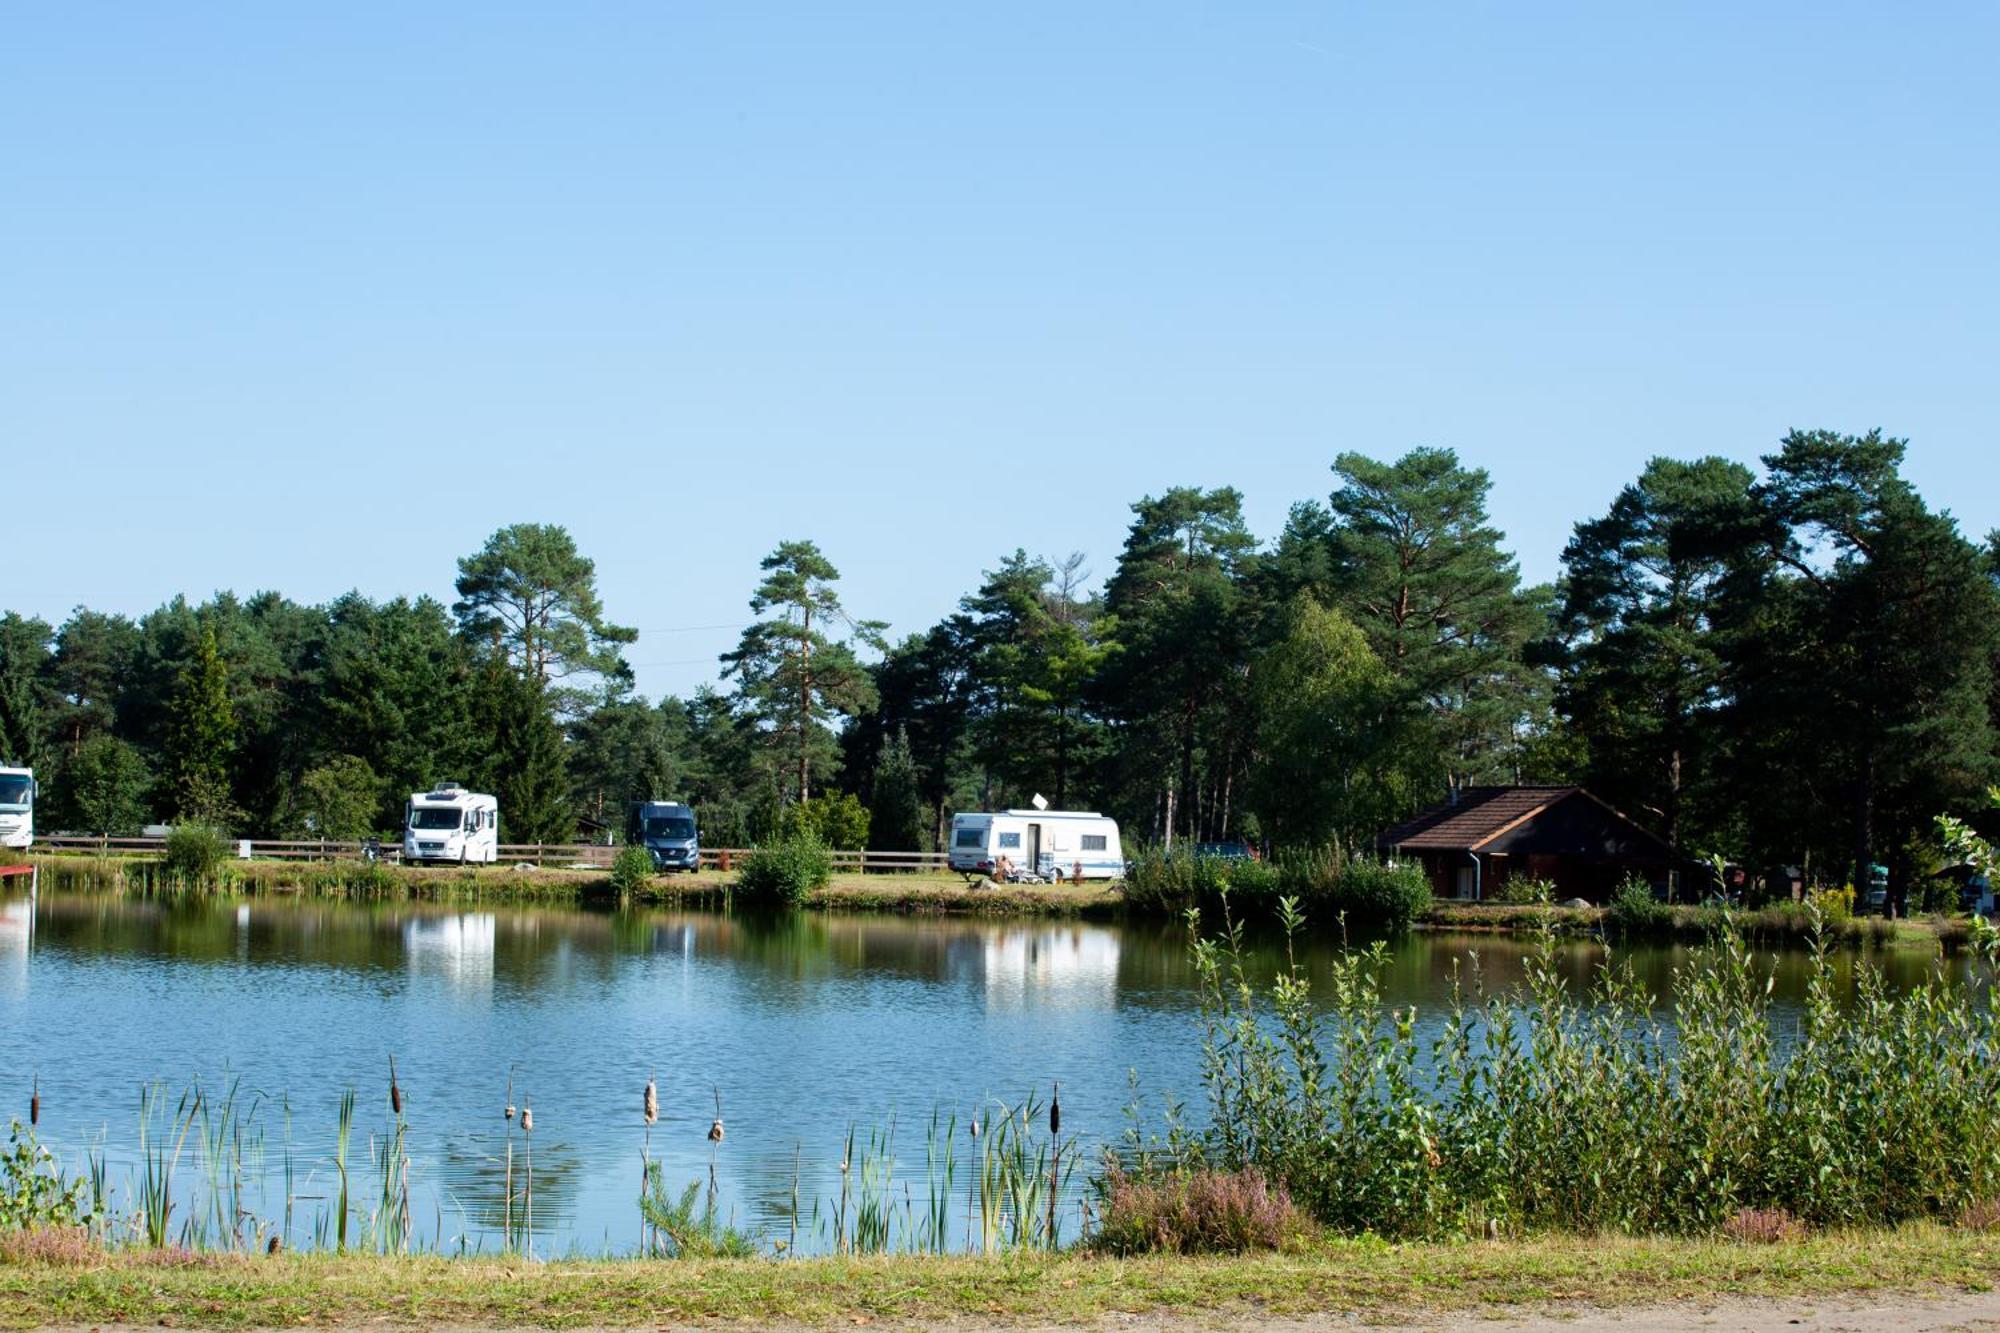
805,1026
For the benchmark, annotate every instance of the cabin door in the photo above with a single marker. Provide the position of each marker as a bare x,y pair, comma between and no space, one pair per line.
1035,848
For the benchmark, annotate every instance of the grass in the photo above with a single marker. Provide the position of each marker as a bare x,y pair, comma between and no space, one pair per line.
1367,1277
924,893
1687,924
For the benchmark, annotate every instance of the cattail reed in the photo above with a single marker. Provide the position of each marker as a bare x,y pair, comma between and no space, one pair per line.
395,1092
1055,1110
527,1120
35,1103
653,1104
715,1130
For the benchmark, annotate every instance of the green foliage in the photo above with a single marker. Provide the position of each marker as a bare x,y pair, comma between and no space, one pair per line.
1634,913
531,593
102,787
631,869
340,800
1522,891
33,1193
837,821
688,1227
896,821
1381,896
201,740
526,772
1539,1109
785,873
195,853
1320,697
24,661
792,677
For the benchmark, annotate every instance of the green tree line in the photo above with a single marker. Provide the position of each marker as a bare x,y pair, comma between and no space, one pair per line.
1793,663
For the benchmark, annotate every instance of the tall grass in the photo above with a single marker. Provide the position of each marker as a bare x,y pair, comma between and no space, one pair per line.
1538,1110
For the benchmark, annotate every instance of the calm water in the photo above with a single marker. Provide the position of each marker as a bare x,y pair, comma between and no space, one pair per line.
806,1026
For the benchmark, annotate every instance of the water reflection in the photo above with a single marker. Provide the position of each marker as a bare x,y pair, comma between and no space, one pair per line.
805,1024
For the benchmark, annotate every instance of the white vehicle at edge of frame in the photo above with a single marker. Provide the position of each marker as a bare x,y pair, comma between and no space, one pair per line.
17,807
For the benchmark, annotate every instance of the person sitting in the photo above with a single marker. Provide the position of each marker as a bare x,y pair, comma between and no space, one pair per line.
1003,871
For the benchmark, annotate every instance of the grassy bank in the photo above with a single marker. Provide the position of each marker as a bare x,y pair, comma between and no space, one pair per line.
917,893
1692,925
1366,1277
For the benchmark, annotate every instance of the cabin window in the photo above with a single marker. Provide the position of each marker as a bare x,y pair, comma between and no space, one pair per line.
1095,842
969,838
1010,841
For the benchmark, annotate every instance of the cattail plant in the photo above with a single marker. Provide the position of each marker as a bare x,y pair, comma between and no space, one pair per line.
395,1092
35,1104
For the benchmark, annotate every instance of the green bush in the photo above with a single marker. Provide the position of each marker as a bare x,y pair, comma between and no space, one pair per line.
1379,896
1308,874
1521,891
1549,1106
1169,883
838,821
33,1193
1636,914
196,852
785,873
631,869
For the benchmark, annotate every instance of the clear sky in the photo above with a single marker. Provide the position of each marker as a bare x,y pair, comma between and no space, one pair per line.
311,297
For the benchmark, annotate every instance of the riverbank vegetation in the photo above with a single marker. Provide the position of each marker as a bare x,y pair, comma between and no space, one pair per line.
1789,665
48,1281
1543,1110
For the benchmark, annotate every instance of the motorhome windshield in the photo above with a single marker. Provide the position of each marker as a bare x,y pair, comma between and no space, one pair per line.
669,826
435,817
14,789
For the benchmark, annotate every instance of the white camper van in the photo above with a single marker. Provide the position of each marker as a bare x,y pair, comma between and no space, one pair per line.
449,823
1051,844
17,807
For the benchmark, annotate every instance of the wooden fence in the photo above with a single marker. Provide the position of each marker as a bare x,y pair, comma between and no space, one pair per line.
558,855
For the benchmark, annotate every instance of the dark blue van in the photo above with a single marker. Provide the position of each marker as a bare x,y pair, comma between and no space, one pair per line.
666,829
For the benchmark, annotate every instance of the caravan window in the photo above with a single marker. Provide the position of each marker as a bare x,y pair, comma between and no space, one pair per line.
972,838
1095,842
434,817
1010,840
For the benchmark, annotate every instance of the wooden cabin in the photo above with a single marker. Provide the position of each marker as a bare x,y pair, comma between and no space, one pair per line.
1475,842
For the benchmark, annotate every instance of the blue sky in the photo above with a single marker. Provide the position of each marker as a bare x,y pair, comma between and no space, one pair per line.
311,297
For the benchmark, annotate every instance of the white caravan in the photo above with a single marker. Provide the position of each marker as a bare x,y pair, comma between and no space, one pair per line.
449,823
17,807
1051,844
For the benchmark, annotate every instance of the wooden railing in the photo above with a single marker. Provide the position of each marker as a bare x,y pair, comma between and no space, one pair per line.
560,855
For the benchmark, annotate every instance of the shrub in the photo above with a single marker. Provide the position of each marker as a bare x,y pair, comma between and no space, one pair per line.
631,869
1196,1212
33,1193
838,821
195,852
1381,896
1636,914
1544,1107
1308,874
1171,882
1835,905
1253,881
1764,1226
785,873
1520,891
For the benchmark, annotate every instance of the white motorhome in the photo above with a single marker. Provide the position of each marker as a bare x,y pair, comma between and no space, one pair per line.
17,807
1053,844
449,823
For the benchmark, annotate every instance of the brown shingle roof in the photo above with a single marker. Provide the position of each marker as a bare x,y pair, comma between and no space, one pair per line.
1478,814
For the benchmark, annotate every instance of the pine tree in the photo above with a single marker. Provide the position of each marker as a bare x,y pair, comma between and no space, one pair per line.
201,738
525,768
896,814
